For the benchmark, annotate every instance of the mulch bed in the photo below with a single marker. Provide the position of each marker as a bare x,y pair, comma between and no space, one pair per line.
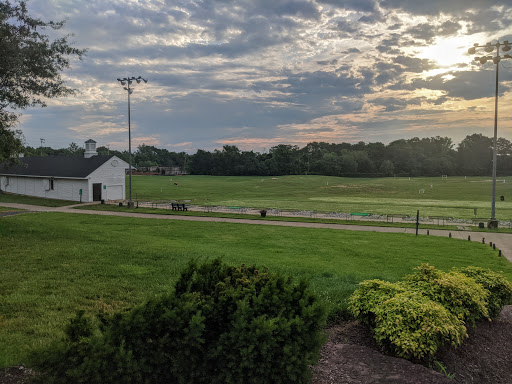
351,356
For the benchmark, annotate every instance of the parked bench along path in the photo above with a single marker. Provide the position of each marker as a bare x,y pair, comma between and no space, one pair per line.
179,207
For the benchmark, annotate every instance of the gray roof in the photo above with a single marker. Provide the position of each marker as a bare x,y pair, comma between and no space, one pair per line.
55,166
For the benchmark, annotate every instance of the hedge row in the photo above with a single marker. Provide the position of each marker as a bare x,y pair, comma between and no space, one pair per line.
222,324
429,308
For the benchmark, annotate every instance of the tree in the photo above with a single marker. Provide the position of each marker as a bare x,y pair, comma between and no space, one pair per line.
75,149
30,67
474,155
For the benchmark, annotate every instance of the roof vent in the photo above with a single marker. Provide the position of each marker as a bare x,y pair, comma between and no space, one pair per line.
90,149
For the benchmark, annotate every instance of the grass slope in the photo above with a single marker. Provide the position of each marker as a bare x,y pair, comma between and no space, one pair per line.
53,264
21,199
455,197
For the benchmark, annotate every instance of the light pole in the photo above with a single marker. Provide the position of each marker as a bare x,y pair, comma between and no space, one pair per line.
42,142
125,83
505,46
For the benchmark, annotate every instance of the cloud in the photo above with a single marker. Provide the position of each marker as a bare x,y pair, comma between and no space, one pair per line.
436,7
266,71
466,85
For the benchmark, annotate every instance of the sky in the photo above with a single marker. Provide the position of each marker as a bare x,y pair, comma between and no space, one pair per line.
258,73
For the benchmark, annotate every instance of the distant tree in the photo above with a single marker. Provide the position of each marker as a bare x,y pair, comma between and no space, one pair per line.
285,159
75,149
474,155
387,168
201,163
30,67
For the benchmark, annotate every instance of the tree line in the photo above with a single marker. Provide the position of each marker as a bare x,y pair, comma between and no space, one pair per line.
431,156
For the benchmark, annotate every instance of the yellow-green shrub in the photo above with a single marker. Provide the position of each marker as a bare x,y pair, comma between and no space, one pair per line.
429,308
413,326
458,293
500,289
368,296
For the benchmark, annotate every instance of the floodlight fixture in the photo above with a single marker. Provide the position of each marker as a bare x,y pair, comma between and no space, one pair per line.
128,81
489,47
505,46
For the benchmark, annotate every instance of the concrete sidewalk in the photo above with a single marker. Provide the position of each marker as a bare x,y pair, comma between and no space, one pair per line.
503,241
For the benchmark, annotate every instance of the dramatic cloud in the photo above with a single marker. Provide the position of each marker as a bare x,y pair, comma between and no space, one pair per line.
256,73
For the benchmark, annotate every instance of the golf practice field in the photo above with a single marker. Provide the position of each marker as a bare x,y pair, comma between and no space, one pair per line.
458,197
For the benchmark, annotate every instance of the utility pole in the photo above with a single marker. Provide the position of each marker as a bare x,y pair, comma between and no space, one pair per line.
42,142
129,81
505,47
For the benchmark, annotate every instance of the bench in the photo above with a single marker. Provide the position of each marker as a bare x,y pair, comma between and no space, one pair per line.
179,207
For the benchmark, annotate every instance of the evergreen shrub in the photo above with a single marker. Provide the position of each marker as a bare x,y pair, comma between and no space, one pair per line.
222,324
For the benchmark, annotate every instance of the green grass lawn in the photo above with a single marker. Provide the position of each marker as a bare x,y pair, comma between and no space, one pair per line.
53,264
455,197
20,199
6,209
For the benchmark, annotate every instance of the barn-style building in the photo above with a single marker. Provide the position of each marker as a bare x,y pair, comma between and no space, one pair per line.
85,179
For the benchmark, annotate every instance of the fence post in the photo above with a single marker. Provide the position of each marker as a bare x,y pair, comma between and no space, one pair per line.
417,221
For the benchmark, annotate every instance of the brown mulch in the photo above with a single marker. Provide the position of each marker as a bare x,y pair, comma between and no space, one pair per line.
351,356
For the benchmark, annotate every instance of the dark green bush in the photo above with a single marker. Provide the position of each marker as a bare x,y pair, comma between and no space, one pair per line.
221,325
500,289
413,326
458,293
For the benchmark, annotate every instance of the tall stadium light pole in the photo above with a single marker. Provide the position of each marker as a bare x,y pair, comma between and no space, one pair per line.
125,83
42,142
505,47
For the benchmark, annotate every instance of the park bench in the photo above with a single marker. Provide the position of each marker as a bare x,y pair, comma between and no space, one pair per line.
182,207
179,207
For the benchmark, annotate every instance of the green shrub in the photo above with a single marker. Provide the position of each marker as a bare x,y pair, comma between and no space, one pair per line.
429,308
500,289
413,326
458,293
368,296
221,325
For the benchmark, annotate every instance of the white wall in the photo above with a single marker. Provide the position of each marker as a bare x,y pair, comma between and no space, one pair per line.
111,175
63,189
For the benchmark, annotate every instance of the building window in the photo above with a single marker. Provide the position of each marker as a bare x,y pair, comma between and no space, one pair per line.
6,181
51,185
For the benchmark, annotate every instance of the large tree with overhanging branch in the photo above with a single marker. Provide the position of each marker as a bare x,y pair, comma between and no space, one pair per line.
31,64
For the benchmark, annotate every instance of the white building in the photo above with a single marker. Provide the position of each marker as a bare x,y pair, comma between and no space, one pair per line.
86,179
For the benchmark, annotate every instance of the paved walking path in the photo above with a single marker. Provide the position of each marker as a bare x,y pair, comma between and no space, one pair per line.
503,241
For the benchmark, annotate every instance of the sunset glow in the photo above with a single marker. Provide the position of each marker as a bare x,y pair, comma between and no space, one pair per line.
258,73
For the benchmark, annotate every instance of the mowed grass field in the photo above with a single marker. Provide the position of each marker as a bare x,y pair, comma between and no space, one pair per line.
53,264
455,197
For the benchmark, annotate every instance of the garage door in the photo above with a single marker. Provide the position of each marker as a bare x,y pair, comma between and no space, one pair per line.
114,192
